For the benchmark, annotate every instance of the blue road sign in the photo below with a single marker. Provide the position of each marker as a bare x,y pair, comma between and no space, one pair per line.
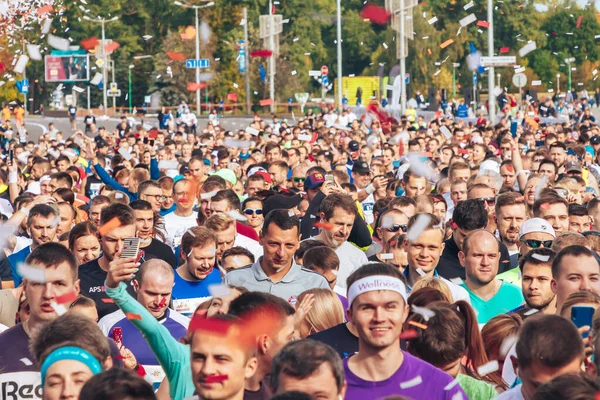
325,80
203,63
407,78
190,63
474,78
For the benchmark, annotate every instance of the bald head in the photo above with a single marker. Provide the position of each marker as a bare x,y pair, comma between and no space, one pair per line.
484,238
154,267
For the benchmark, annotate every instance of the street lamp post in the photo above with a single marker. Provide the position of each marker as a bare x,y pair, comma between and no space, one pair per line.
557,83
103,21
491,96
339,54
196,8
454,66
131,66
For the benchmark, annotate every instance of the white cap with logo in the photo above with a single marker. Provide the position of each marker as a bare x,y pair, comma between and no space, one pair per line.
538,225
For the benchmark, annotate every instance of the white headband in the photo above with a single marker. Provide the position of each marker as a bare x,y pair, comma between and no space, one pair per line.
376,282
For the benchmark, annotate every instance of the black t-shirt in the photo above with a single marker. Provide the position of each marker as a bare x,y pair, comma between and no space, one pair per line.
5,271
92,179
340,338
264,393
91,281
158,249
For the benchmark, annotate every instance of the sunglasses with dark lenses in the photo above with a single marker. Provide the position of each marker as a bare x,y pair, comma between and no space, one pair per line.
396,228
249,211
536,244
298,179
490,201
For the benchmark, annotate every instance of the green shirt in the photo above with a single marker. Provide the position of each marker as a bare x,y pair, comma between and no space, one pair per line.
507,298
476,389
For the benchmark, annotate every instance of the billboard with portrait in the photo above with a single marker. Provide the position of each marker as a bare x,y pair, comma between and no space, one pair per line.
67,68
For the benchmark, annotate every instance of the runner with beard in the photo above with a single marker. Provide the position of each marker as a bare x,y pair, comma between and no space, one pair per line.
510,214
192,279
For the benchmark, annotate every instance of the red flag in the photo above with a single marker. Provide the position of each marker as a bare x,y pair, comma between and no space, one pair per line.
176,56
483,24
90,43
232,96
112,46
504,50
376,14
266,102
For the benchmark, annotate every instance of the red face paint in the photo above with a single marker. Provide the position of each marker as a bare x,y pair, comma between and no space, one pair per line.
215,378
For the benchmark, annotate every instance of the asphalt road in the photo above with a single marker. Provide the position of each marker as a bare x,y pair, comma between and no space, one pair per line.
37,125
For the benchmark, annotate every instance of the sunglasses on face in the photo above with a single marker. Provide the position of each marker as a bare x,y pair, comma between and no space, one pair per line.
299,179
490,201
536,244
395,228
249,211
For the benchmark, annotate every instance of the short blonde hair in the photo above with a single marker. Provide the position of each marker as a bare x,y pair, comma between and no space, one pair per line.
435,283
218,222
327,310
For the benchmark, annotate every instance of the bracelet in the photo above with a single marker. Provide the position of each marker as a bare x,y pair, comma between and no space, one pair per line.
13,177
370,189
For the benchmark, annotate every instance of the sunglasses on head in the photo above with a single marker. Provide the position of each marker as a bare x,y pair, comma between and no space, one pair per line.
249,211
298,179
395,228
536,244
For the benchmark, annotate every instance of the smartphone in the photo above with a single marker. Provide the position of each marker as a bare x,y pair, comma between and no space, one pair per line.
117,335
582,316
539,143
131,248
152,142
329,178
145,140
513,128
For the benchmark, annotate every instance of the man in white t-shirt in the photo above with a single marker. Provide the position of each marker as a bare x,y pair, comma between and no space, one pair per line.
337,215
184,217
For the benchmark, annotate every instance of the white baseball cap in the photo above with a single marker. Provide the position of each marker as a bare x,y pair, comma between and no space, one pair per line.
536,225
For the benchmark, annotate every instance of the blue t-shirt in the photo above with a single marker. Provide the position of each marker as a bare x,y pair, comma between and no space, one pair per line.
507,298
14,260
187,296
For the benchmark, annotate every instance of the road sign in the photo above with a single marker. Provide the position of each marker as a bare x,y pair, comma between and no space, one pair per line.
519,80
113,93
199,63
474,78
502,61
407,78
325,81
314,72
324,70
113,86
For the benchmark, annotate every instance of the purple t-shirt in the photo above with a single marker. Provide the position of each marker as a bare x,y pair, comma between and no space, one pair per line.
415,379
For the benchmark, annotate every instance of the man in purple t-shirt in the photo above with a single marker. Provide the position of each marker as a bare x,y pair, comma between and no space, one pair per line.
377,296
57,267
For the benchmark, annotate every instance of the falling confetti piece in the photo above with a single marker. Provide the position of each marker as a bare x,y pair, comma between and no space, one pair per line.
21,64
108,301
578,24
109,226
58,43
451,385
417,380
133,316
540,257
425,312
528,48
421,272
235,214
409,334
417,324
58,308
31,273
219,290
483,24
26,361
466,21
446,43
112,46
209,195
323,225
386,256
507,344
215,378
488,368
504,50
418,227
67,298
432,20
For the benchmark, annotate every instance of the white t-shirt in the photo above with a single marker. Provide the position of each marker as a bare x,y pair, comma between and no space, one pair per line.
176,226
351,258
249,244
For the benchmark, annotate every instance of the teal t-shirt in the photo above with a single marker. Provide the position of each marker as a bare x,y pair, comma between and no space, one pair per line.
506,299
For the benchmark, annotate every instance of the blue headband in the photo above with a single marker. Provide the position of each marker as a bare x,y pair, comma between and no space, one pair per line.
71,353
